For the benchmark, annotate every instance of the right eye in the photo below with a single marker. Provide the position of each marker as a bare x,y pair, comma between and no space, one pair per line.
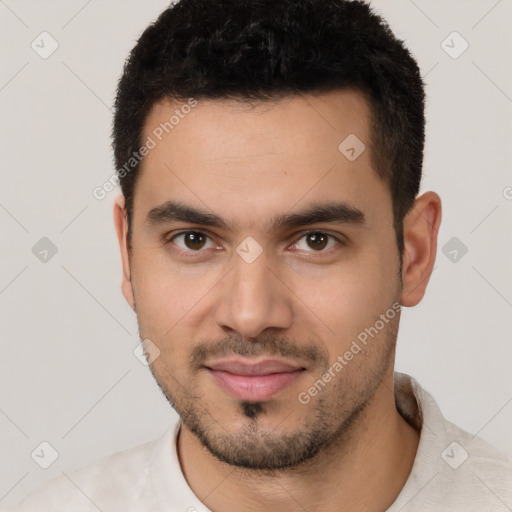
192,241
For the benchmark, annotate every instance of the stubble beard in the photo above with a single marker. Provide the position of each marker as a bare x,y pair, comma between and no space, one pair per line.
333,418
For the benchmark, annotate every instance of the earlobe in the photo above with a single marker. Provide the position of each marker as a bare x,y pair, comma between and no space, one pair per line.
421,226
121,225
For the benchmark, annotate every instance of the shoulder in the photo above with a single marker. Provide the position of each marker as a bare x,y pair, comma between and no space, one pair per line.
453,469
118,481
469,475
476,467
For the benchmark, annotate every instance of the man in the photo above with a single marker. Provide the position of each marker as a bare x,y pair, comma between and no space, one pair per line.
269,154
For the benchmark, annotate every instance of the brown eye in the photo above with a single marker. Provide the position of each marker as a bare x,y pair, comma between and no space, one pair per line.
192,241
317,241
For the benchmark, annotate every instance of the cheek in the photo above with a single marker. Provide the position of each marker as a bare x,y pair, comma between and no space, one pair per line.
165,291
172,303
348,296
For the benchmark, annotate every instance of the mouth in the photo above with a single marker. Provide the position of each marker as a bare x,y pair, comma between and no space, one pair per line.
253,381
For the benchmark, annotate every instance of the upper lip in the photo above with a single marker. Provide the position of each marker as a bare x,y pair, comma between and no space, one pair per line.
262,367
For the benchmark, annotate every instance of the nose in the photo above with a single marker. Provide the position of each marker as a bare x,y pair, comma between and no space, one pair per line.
252,298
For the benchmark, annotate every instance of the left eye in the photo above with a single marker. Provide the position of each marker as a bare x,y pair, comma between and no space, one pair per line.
192,241
316,240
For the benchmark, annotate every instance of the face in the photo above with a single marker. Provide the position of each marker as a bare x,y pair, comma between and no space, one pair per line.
264,268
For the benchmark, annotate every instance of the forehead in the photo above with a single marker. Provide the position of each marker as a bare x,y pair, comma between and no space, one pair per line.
245,159
302,122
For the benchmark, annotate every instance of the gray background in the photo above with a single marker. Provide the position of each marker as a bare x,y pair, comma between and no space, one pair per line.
68,375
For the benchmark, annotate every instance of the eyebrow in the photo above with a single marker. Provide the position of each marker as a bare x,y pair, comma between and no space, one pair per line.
339,213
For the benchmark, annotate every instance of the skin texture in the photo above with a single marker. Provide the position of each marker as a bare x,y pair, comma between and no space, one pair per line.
295,302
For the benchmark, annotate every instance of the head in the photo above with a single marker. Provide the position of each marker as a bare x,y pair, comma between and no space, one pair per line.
269,155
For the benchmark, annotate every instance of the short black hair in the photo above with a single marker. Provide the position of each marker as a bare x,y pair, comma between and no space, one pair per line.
268,49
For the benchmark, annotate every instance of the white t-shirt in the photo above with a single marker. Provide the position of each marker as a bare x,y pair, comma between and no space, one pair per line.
453,470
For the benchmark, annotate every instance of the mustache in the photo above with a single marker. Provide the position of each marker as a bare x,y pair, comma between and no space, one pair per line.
266,344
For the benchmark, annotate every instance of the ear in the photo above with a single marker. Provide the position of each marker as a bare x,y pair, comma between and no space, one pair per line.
421,226
121,224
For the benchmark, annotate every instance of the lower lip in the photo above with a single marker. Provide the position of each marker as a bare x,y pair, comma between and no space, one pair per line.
254,388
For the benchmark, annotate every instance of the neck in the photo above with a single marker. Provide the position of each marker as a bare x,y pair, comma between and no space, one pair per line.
363,470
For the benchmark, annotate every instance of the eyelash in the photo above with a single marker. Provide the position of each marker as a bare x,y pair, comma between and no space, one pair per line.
191,252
